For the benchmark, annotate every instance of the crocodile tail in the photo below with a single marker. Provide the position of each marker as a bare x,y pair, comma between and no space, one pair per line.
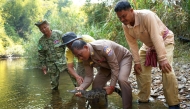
118,91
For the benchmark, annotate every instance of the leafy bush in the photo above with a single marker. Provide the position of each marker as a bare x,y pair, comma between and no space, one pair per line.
15,50
98,20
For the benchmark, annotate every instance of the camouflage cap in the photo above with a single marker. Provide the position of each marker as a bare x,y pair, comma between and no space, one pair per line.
38,23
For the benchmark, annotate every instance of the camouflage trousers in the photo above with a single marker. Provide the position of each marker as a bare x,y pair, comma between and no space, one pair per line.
54,75
80,71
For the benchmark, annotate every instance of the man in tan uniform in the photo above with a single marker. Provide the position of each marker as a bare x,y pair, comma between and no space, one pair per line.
114,62
158,46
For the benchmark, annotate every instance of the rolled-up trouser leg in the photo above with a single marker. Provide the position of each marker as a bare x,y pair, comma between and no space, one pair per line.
144,79
54,74
170,85
125,86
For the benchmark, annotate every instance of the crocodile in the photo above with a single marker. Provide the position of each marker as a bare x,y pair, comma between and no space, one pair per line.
92,94
95,93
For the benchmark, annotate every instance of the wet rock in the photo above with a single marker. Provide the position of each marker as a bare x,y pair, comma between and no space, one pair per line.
181,98
154,95
182,78
151,99
157,78
180,86
188,104
163,100
182,91
185,66
182,72
183,106
188,96
161,97
188,81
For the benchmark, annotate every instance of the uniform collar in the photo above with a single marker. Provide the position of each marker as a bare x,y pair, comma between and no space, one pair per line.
137,20
52,32
91,50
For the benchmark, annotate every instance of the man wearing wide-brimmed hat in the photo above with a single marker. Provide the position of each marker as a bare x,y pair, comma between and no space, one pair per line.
78,74
51,56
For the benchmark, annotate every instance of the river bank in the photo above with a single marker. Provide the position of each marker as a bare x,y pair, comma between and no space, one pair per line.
2,57
29,88
182,71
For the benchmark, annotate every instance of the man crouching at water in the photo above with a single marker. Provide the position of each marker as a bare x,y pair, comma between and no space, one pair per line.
114,62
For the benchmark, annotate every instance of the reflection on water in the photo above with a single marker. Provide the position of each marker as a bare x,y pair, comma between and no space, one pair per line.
22,88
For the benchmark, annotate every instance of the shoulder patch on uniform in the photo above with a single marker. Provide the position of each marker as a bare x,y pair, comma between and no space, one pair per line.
108,50
56,41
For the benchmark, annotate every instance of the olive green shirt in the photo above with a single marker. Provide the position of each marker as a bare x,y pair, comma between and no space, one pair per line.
49,51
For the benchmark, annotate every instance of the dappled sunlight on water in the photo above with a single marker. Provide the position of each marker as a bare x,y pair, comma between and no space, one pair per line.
23,88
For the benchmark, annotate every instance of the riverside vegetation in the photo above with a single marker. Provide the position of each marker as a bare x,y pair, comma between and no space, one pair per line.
19,36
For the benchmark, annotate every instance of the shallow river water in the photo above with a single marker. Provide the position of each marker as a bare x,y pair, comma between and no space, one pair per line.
23,88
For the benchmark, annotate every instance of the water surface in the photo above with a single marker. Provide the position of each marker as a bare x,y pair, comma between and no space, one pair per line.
23,88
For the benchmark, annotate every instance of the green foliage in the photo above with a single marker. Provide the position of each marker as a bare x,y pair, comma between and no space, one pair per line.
102,23
10,30
17,18
96,13
5,41
18,15
64,18
15,50
31,52
174,16
2,50
185,8
182,52
63,3
111,30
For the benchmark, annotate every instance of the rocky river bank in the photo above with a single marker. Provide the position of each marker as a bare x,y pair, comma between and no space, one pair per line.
182,72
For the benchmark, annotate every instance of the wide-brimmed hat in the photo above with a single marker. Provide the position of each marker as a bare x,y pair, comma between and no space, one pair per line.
38,23
69,37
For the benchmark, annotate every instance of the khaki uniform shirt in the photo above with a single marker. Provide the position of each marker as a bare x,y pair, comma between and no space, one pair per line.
49,51
106,54
149,29
68,53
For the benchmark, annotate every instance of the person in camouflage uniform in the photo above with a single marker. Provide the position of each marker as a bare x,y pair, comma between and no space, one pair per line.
51,56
